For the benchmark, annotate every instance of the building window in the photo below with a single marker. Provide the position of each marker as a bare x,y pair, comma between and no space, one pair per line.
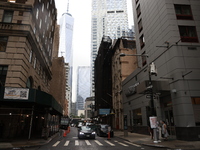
21,13
3,43
188,34
144,59
3,73
137,117
37,13
138,10
183,12
142,42
196,108
136,1
7,17
140,25
30,57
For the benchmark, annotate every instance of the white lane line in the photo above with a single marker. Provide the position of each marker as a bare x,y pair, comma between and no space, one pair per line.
76,142
109,143
98,142
66,143
54,145
121,143
132,144
87,142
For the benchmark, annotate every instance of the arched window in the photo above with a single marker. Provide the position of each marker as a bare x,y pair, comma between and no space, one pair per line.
29,83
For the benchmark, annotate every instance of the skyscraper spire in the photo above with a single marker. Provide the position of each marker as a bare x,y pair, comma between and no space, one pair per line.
68,6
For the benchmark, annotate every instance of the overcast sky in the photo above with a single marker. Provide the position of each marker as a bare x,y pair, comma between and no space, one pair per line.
81,12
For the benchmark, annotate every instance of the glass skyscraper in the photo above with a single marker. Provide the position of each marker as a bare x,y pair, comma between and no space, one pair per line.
83,86
109,18
65,50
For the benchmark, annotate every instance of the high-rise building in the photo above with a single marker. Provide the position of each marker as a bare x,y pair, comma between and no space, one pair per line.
83,86
65,50
169,32
109,18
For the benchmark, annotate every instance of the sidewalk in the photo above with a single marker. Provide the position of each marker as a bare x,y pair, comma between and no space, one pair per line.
132,137
146,140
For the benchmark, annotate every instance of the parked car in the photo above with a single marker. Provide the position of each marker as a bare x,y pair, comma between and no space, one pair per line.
102,130
86,132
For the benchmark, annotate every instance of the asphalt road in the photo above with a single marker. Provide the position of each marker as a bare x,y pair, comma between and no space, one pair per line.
71,142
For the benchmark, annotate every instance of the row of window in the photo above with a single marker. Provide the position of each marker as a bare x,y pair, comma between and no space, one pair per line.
183,12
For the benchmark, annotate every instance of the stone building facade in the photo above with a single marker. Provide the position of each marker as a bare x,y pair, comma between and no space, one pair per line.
26,43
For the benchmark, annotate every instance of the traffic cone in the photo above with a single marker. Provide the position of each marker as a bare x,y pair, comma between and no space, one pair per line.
65,133
108,135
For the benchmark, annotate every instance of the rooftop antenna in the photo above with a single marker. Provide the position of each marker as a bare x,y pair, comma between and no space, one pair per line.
68,6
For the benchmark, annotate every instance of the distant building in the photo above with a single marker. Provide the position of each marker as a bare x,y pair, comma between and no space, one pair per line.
83,86
109,18
66,50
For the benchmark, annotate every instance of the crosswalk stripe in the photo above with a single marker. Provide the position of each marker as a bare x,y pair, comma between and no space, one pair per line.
98,142
132,144
121,143
76,142
54,145
87,142
66,143
109,143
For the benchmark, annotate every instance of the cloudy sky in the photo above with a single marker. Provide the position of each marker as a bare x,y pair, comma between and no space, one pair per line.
81,12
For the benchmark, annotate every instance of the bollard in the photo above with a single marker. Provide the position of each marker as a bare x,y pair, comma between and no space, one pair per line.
109,135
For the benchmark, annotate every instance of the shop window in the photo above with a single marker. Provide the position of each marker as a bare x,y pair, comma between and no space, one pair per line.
3,43
188,34
137,117
142,41
138,10
196,108
7,16
3,73
183,12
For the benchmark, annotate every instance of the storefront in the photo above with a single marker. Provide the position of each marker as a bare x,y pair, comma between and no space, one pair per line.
27,113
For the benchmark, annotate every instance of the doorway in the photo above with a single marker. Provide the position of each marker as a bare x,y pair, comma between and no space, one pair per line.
169,119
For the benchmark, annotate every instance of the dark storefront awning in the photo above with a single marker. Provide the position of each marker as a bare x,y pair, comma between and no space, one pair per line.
27,97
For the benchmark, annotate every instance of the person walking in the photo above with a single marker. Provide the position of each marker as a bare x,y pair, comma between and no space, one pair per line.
165,133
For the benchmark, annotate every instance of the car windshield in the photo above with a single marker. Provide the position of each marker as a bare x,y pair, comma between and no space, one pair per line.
85,128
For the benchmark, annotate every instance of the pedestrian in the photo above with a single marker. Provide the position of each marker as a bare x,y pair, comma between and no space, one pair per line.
165,133
150,131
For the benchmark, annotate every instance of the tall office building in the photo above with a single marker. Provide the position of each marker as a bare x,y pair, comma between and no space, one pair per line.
169,32
65,50
83,86
109,18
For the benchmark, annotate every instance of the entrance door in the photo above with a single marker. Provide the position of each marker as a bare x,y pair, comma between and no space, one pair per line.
169,119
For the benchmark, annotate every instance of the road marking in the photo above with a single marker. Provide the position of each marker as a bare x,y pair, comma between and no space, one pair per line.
132,144
109,143
76,142
54,145
87,142
66,143
121,143
98,142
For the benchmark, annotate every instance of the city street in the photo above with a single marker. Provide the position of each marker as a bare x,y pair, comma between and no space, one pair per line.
71,142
